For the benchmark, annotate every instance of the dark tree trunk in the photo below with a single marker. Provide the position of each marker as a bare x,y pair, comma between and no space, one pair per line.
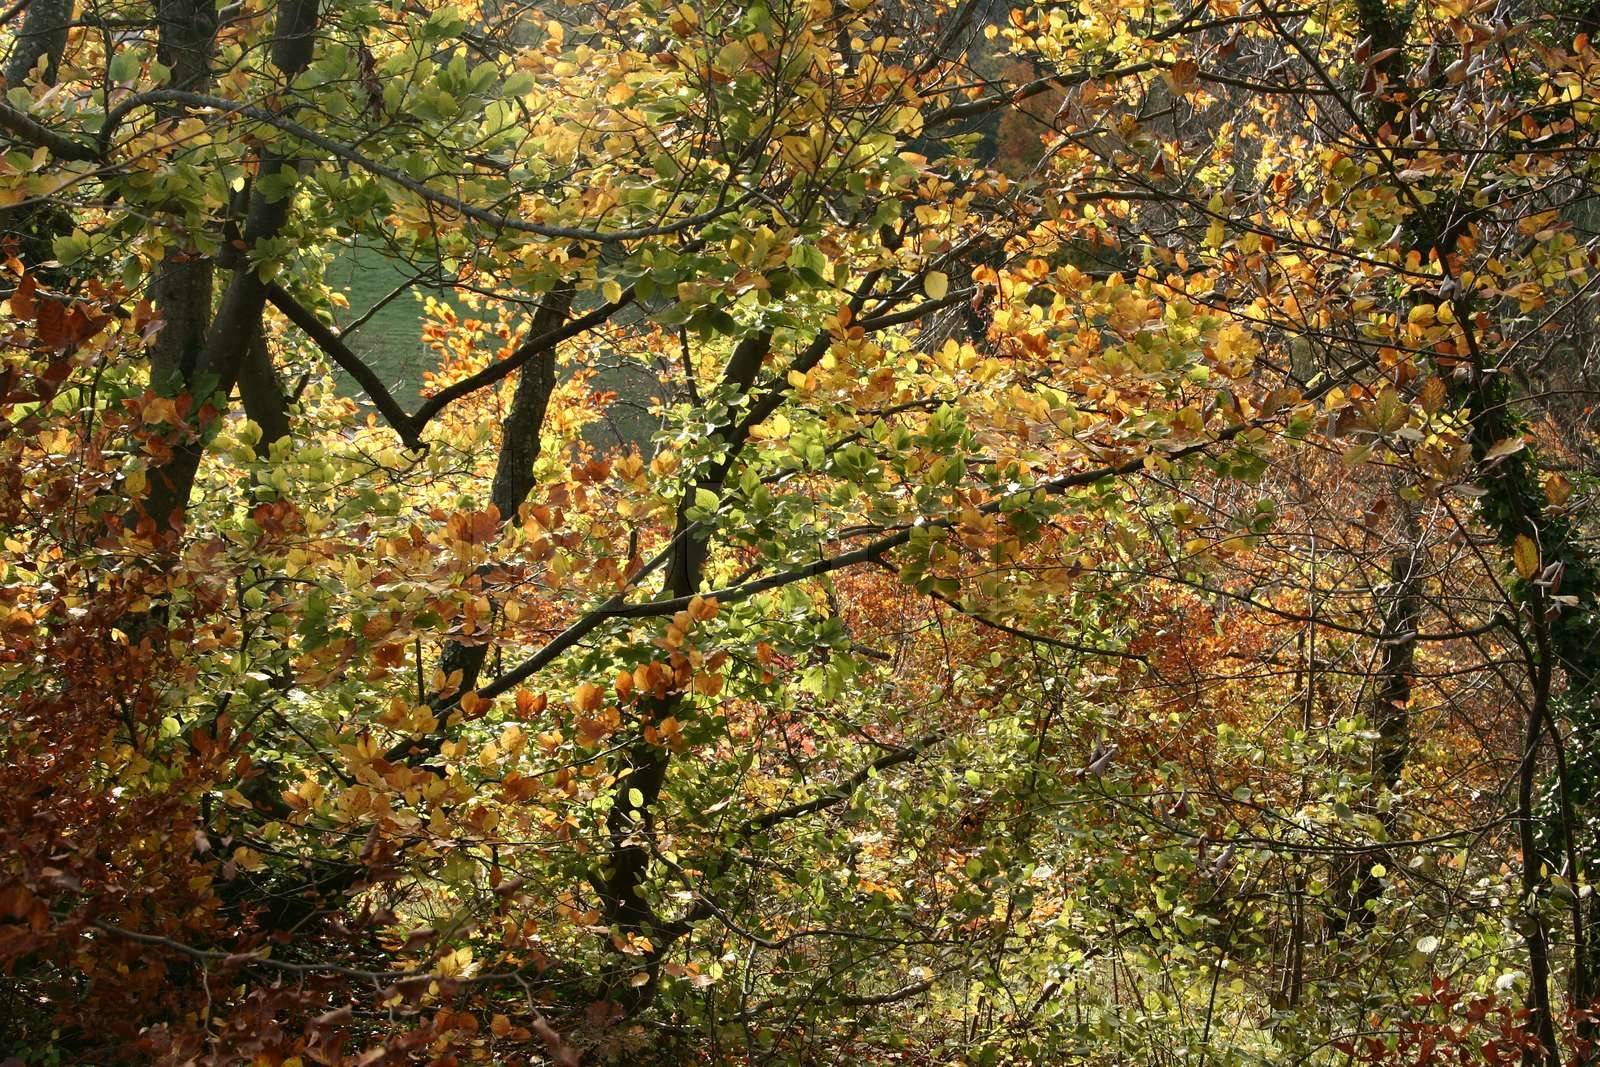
261,392
43,36
238,319
520,445
620,880
183,285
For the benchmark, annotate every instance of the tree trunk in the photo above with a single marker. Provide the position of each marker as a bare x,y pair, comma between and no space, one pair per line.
1400,605
238,319
619,882
520,445
261,392
43,36
183,284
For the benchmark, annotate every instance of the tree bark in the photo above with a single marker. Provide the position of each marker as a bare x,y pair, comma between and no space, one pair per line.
183,284
520,445
1400,605
261,392
43,36
238,318
619,882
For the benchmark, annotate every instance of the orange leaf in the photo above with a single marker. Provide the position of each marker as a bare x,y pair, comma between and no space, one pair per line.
22,303
588,697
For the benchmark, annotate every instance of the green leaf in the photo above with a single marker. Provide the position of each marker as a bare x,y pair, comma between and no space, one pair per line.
277,185
446,22
124,67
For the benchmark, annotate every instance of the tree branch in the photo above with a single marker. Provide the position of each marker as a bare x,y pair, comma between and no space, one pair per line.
28,129
842,791
330,342
526,351
343,151
1027,635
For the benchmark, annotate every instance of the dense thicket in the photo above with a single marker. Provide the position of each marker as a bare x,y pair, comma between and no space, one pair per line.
1109,575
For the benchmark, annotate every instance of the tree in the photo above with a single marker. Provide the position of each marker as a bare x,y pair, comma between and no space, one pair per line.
1067,610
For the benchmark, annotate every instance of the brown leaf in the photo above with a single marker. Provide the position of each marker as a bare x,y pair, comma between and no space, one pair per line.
22,302
336,1017
61,326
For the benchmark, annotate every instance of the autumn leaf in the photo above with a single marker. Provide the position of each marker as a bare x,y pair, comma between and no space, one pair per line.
1509,446
22,302
1525,555
428,359
588,697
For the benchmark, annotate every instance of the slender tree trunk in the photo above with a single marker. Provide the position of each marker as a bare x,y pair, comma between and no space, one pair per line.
1401,609
1401,619
261,392
520,445
630,827
33,225
1534,882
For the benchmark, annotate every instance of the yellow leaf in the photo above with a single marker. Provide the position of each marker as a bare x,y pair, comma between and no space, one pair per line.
1525,554
589,697
1507,447
936,284
774,429
1433,395
454,963
611,289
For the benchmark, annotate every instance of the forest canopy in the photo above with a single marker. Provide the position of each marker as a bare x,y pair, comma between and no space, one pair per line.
931,532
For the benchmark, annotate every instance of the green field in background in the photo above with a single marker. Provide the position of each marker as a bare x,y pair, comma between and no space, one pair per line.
390,342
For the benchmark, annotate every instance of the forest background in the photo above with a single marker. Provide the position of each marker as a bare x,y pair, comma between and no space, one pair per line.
794,532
